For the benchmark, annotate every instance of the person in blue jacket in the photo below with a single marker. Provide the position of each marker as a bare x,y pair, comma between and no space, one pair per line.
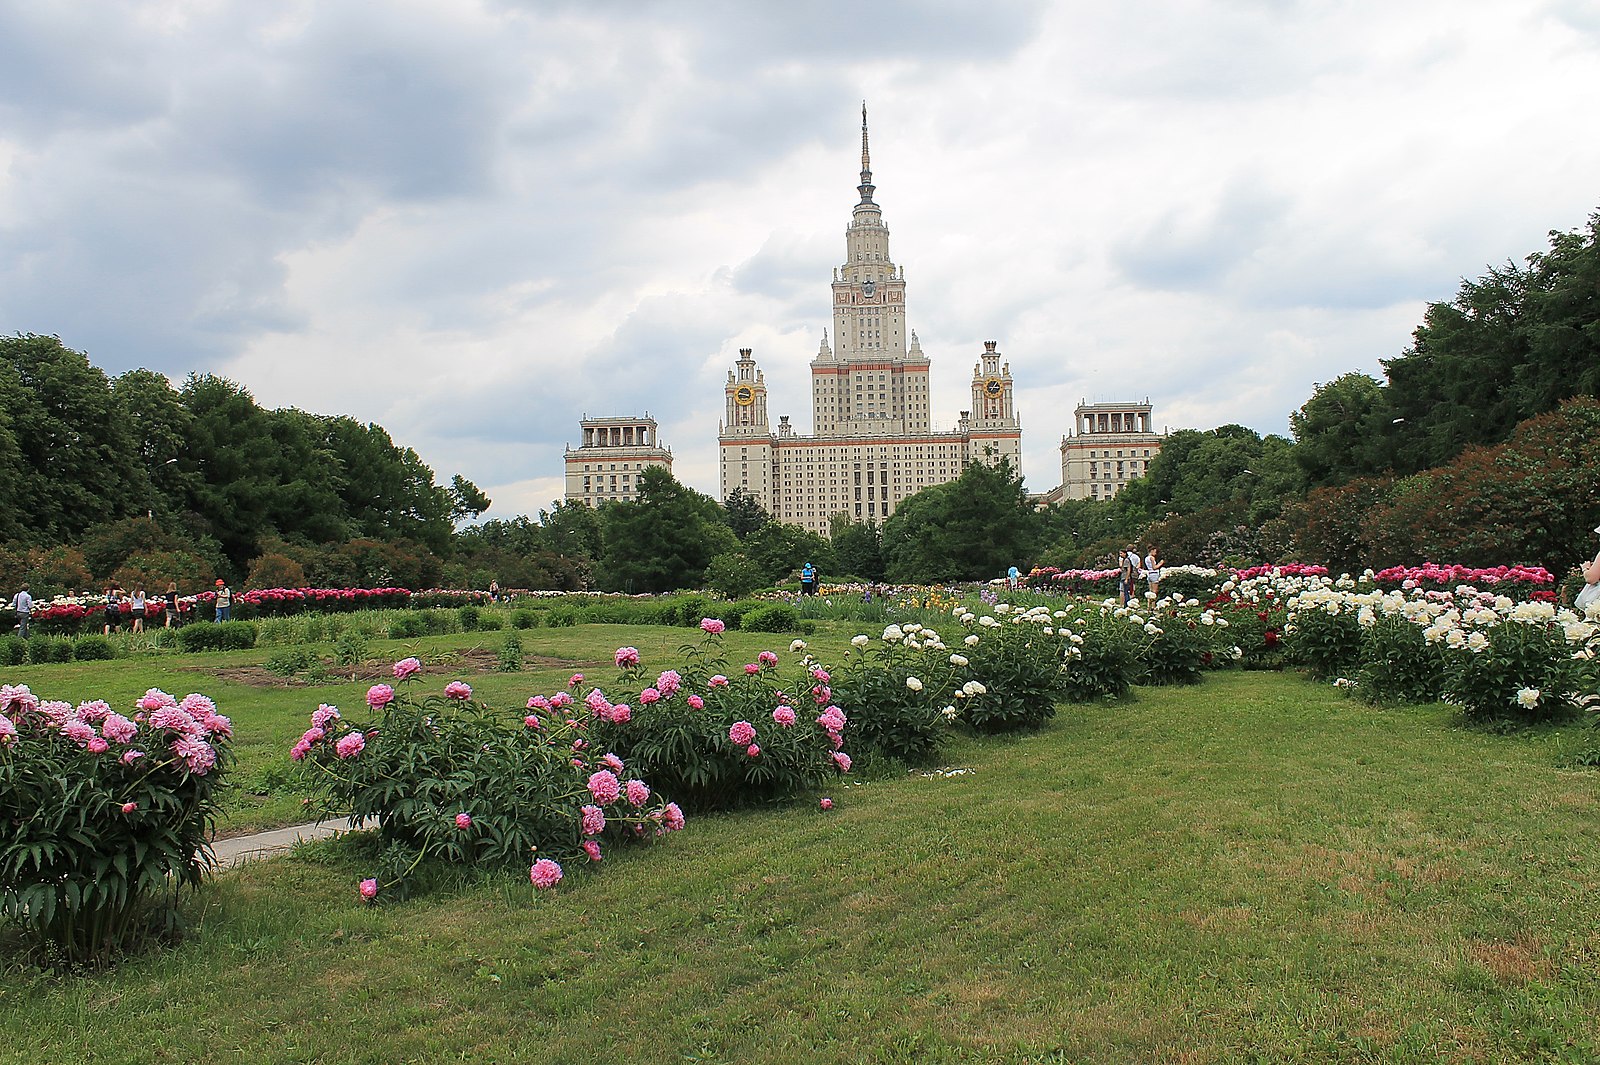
808,579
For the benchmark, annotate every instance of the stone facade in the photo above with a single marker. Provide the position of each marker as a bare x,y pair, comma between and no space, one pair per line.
874,444
606,466
1110,445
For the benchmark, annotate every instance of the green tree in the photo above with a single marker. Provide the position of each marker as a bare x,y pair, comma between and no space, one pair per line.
779,550
662,541
1336,429
857,548
733,575
744,513
73,464
971,528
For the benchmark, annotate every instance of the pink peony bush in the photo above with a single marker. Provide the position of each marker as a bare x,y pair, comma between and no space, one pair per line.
450,782
710,736
105,816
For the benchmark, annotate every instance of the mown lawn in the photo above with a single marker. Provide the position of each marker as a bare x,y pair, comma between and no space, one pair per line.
1257,869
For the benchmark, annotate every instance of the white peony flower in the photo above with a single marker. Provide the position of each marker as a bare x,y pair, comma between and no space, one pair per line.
914,684
798,645
971,641
893,634
958,660
859,641
1528,697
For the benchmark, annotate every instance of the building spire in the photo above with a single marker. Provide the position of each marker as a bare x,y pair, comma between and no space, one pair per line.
866,185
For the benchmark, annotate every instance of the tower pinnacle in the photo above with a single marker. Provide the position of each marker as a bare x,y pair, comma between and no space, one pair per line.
866,185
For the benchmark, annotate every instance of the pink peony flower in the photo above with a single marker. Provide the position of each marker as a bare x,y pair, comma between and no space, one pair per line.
78,732
696,703
8,731
613,763
767,658
592,849
545,873
718,681
627,656
198,706
753,751
672,817
638,792
379,696
155,699
97,745
130,757
604,786
575,680
198,755
784,715
741,733
712,625
560,699
457,690
175,720
531,721
463,821
369,889
93,711
669,683
621,714
594,820
841,760
826,804
129,807
323,714
751,669
405,667
350,744
649,695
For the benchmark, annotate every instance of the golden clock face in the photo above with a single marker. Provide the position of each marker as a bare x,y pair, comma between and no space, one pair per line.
744,395
992,386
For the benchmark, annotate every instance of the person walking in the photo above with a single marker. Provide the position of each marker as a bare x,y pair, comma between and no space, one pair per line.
136,608
1127,573
1012,576
224,602
808,579
113,610
172,602
1152,571
22,603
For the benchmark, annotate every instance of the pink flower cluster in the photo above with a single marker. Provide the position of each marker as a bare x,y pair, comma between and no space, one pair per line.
1442,576
380,696
545,873
189,729
627,657
712,626
669,683
741,733
458,690
404,668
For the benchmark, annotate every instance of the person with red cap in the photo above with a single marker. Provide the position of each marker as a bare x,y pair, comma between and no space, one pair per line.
224,603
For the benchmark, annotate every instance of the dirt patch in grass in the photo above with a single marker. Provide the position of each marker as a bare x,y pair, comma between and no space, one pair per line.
1510,963
459,663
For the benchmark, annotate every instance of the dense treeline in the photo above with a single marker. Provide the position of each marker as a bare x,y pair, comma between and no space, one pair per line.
131,479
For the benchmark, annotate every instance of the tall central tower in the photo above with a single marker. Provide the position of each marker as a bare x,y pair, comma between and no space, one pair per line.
873,446
869,382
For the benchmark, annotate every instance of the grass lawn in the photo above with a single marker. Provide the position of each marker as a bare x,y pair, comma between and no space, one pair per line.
1253,870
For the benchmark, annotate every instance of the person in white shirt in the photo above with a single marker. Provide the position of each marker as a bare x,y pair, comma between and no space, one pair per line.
22,603
1152,571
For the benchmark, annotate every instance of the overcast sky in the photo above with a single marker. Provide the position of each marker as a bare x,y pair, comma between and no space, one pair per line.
474,222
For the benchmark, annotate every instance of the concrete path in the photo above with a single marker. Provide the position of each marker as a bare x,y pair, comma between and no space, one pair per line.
241,849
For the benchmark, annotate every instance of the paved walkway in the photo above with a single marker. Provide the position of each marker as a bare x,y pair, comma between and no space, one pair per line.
241,849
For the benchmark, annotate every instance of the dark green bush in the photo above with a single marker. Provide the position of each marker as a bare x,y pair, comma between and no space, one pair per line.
774,617
511,653
563,618
92,649
236,635
469,616
201,637
525,619
1398,665
13,650
43,649
289,661
407,627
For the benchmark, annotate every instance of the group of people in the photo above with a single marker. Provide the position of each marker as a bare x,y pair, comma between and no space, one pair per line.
138,606
1130,568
